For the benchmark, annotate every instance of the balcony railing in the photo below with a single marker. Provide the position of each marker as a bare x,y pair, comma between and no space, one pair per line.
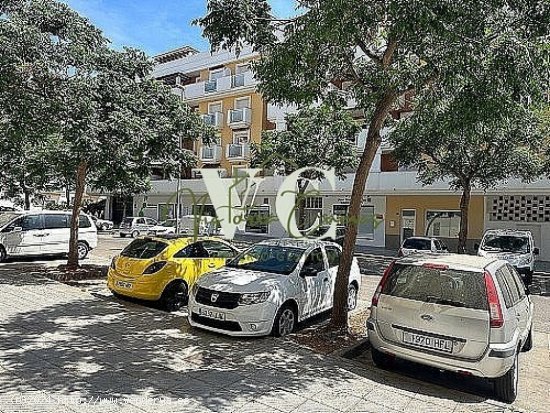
211,153
211,86
213,119
237,150
239,118
219,85
238,80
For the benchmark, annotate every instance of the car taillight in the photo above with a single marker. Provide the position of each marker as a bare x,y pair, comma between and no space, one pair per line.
154,267
495,309
381,284
113,263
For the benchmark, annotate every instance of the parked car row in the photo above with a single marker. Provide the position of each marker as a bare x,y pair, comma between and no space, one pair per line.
43,233
265,289
188,224
514,246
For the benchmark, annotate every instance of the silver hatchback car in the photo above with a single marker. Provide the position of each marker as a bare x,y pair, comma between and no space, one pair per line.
461,313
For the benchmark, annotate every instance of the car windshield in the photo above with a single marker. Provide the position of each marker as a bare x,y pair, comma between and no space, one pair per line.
508,243
143,248
439,286
269,258
168,223
417,244
7,218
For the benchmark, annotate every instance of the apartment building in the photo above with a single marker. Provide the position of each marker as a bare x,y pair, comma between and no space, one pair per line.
221,88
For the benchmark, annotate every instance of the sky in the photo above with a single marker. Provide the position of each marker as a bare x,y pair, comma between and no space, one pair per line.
155,26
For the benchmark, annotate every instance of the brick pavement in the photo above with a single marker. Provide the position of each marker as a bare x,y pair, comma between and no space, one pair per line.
66,350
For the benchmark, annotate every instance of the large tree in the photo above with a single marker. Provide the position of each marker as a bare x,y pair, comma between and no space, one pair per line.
471,139
101,109
322,136
381,49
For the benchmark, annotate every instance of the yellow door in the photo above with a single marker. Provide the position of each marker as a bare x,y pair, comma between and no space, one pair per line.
192,261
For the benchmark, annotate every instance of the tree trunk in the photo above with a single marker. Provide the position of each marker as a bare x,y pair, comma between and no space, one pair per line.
72,262
339,318
301,206
68,194
464,207
27,195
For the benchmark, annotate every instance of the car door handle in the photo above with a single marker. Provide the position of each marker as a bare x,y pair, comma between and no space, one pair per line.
38,235
211,265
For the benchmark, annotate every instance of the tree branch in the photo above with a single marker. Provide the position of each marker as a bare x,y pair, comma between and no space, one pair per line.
364,48
390,50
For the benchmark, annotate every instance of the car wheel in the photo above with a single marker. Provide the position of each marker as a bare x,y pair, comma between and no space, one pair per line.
135,234
82,250
285,321
528,345
3,254
174,297
381,360
352,297
506,387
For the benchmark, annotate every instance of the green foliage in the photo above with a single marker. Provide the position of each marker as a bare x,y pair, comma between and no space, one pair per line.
66,98
321,137
470,138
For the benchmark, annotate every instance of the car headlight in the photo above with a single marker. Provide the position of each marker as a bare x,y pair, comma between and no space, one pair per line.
254,298
154,267
524,260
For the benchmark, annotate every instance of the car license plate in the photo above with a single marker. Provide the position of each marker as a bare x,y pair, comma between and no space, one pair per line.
435,343
211,314
124,284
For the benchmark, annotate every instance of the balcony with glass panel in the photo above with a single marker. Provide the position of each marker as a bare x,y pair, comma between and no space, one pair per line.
239,118
237,151
211,153
213,119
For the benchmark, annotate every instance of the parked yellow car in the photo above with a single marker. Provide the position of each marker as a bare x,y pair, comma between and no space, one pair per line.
158,269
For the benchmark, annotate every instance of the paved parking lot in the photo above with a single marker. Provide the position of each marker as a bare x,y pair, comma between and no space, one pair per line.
63,349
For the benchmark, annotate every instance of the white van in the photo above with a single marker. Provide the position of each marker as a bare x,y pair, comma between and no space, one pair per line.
43,233
515,246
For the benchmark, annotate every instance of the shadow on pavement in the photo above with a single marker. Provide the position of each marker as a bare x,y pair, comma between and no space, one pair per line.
78,345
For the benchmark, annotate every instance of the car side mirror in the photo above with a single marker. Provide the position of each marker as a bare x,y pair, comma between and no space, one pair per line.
308,272
536,251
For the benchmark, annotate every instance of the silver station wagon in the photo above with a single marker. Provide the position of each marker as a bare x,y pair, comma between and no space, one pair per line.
466,314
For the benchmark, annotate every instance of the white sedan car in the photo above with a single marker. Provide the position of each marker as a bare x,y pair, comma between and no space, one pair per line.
269,288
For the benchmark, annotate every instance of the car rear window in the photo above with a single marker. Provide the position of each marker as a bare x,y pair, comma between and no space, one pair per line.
430,285
417,244
143,248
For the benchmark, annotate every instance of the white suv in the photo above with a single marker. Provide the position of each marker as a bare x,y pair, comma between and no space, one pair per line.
461,313
135,226
269,288
43,233
516,247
